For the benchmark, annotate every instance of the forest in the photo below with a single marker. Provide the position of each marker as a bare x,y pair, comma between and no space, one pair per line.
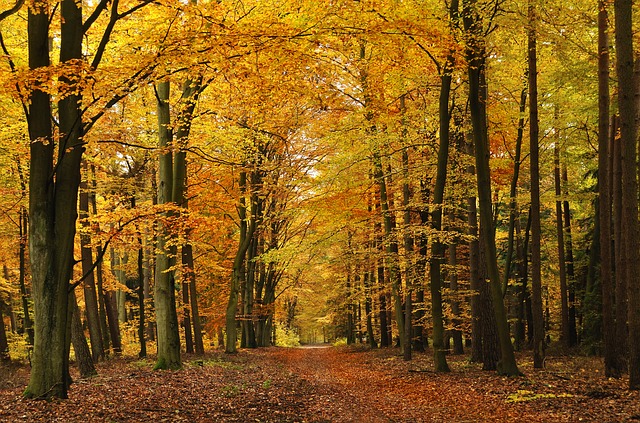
441,190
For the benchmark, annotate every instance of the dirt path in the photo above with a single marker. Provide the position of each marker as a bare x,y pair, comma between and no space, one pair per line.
350,389
334,398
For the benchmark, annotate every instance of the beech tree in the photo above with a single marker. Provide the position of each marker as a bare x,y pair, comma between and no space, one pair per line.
54,180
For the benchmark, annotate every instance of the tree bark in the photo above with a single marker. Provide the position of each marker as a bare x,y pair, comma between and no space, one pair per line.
571,276
84,359
513,190
4,344
476,55
564,306
90,297
628,135
437,246
53,202
536,266
165,295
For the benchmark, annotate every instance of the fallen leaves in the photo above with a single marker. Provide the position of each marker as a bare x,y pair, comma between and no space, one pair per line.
327,385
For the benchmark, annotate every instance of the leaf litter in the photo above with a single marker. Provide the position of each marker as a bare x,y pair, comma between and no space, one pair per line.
327,385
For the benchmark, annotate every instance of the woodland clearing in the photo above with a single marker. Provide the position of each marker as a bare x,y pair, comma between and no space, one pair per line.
328,385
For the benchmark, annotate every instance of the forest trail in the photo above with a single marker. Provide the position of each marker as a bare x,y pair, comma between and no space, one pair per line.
323,385
351,387
335,396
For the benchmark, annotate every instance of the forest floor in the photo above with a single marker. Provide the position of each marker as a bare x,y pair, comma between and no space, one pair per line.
327,384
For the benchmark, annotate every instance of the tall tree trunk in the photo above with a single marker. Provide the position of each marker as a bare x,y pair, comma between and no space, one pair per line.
393,268
368,307
564,306
408,242
474,271
534,150
513,190
476,55
437,246
141,317
90,297
385,340
53,203
23,224
605,133
102,302
24,294
628,135
619,256
190,275
571,276
165,295
246,234
456,333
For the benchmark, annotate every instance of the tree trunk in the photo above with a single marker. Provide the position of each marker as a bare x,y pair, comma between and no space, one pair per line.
368,308
385,340
246,234
53,203
141,318
90,297
628,137
102,307
513,190
84,359
571,277
619,256
523,293
23,224
474,282
389,226
477,104
4,345
408,245
564,306
437,247
456,333
165,295
536,266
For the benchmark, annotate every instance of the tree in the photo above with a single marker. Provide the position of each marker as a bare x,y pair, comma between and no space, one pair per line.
476,56
611,361
627,88
53,186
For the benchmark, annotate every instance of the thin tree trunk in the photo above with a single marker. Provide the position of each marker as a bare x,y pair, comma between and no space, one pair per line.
4,344
23,224
536,266
619,256
564,306
513,190
456,333
90,297
408,244
477,104
246,234
571,277
474,272
141,318
102,308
